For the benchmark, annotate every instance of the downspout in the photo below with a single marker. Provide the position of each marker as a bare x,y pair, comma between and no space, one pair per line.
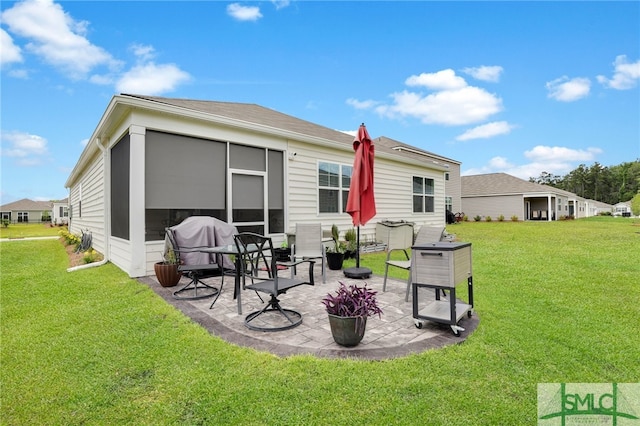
88,265
106,246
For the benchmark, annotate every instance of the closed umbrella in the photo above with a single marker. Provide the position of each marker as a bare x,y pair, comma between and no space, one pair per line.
361,203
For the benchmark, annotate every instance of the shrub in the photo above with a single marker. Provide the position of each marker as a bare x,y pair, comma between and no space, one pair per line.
488,218
352,301
477,218
501,218
514,218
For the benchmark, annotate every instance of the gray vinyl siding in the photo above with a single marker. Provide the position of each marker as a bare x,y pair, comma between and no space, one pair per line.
494,206
453,187
392,186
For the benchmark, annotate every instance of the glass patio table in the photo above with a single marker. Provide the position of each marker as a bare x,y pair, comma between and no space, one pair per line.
232,249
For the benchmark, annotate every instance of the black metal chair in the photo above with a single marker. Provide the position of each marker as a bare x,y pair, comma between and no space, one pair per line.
196,271
259,272
193,240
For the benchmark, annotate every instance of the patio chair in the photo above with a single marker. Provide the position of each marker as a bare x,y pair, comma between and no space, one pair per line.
190,240
259,272
426,234
309,245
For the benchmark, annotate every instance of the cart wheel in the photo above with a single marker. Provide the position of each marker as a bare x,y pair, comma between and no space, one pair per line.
418,324
456,333
469,314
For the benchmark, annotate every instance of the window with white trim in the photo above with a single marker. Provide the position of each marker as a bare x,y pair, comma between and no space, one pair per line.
333,186
448,203
423,195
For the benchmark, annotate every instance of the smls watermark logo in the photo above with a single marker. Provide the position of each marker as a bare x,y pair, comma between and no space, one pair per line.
588,404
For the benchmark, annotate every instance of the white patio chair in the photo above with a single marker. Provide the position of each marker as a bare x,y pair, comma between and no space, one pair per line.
308,245
426,234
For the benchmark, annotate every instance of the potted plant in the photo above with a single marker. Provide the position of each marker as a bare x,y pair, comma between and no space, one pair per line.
167,270
335,254
283,253
352,244
348,310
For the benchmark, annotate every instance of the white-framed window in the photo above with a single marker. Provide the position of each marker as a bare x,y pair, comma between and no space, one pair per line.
423,195
448,203
334,180
23,217
446,176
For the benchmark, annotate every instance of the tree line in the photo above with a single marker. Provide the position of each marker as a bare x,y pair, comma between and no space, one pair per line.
609,185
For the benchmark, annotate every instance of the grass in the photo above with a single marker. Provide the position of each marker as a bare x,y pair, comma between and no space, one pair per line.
24,230
558,302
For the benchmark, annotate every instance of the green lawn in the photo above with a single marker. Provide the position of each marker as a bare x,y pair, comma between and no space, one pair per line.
24,230
558,302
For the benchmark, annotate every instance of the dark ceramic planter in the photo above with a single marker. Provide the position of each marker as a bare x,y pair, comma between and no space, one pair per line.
334,261
282,254
167,274
347,331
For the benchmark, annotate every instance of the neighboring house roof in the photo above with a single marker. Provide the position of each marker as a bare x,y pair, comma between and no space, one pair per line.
600,204
493,184
27,205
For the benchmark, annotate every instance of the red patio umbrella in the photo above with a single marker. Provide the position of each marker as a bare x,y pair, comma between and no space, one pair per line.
361,203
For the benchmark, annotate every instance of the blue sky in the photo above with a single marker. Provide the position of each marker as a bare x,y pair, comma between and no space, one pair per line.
515,87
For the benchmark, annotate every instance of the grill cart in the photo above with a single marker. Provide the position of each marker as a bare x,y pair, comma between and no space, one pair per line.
439,267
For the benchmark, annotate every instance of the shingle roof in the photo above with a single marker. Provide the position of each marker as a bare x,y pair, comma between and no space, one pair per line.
253,113
27,205
502,184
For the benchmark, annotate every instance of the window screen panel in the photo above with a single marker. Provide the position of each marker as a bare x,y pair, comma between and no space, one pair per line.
184,172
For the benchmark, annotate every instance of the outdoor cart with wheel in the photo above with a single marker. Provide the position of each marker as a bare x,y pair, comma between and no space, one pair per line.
440,266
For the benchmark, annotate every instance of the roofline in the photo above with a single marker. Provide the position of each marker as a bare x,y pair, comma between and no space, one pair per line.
130,102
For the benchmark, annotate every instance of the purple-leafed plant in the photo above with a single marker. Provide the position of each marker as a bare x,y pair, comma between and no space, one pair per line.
352,301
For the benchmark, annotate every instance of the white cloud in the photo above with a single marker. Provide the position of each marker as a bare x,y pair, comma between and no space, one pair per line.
568,90
9,52
486,131
368,104
452,101
555,160
625,74
151,79
143,52
461,106
280,4
27,149
56,37
544,154
485,73
244,13
441,80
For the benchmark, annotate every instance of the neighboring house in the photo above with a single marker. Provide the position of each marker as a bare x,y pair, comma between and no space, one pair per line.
60,210
152,161
622,209
496,194
26,211
596,208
